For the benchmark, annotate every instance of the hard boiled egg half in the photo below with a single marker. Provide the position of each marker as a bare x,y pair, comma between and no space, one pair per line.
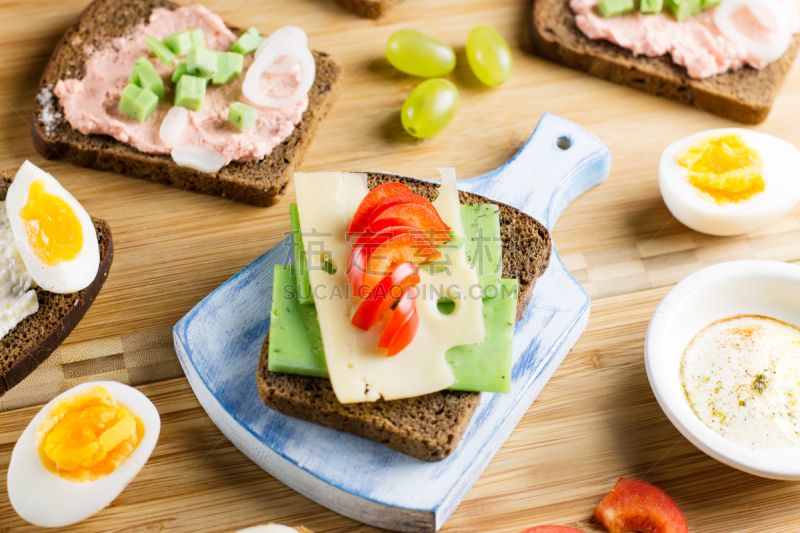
53,232
80,451
729,181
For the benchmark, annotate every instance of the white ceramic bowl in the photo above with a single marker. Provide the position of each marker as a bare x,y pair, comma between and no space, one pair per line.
768,288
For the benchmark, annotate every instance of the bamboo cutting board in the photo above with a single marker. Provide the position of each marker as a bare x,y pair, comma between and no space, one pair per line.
595,420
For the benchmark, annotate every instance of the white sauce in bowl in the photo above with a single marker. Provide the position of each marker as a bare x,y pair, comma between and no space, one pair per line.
741,376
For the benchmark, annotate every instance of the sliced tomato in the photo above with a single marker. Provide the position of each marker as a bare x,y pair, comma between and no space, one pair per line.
415,216
552,529
371,200
356,267
369,237
639,506
364,247
407,198
402,327
384,295
404,248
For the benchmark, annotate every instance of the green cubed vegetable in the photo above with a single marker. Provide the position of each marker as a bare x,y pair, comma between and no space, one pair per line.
163,53
201,62
179,71
229,67
612,8
651,7
190,92
137,103
708,4
146,77
248,42
684,9
242,116
180,43
198,37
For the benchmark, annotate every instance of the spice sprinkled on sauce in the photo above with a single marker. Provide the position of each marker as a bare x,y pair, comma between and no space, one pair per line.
741,376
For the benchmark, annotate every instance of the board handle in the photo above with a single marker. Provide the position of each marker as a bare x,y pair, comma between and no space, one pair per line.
559,162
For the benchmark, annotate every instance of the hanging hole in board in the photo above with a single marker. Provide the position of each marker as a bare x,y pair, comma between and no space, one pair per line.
564,142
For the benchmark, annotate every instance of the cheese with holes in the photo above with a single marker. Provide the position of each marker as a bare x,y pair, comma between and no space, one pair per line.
359,370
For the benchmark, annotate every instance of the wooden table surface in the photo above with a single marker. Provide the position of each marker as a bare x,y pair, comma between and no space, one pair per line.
596,420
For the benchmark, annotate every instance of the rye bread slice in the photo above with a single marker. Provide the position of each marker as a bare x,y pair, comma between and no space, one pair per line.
371,9
745,95
427,427
32,341
254,182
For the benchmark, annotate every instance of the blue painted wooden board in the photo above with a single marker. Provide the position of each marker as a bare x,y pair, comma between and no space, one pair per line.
219,341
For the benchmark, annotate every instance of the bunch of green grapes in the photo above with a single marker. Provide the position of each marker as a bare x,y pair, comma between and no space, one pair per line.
433,104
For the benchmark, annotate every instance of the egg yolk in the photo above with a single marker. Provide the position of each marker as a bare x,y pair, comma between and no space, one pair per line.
54,230
724,167
87,436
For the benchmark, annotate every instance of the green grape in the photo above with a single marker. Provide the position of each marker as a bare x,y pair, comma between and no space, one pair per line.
489,55
429,108
420,55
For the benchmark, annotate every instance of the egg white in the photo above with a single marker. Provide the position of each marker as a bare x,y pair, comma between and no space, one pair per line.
269,528
48,500
67,276
697,210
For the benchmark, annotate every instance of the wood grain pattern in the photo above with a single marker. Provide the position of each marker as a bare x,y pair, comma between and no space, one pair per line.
595,420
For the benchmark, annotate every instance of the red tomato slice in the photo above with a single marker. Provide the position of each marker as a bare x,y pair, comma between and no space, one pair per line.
639,506
407,198
416,216
402,327
371,200
405,248
365,245
552,529
370,237
384,295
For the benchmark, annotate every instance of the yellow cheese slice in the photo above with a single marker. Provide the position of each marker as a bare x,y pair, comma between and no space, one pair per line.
359,370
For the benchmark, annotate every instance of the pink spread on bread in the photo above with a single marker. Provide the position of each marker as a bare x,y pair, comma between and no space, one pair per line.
91,104
695,43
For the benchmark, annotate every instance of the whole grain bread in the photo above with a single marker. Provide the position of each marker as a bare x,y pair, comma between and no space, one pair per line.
427,427
32,341
254,182
745,95
372,9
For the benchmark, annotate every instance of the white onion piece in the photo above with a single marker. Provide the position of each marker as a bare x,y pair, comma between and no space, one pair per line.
769,51
198,158
285,66
292,32
280,47
173,125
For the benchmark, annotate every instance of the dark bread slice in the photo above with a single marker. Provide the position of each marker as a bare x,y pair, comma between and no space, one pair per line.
254,182
427,427
372,9
32,341
745,95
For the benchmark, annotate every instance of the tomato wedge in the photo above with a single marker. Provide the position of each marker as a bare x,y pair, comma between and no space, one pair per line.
404,248
407,198
384,295
639,506
371,200
414,215
402,327
364,247
552,529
